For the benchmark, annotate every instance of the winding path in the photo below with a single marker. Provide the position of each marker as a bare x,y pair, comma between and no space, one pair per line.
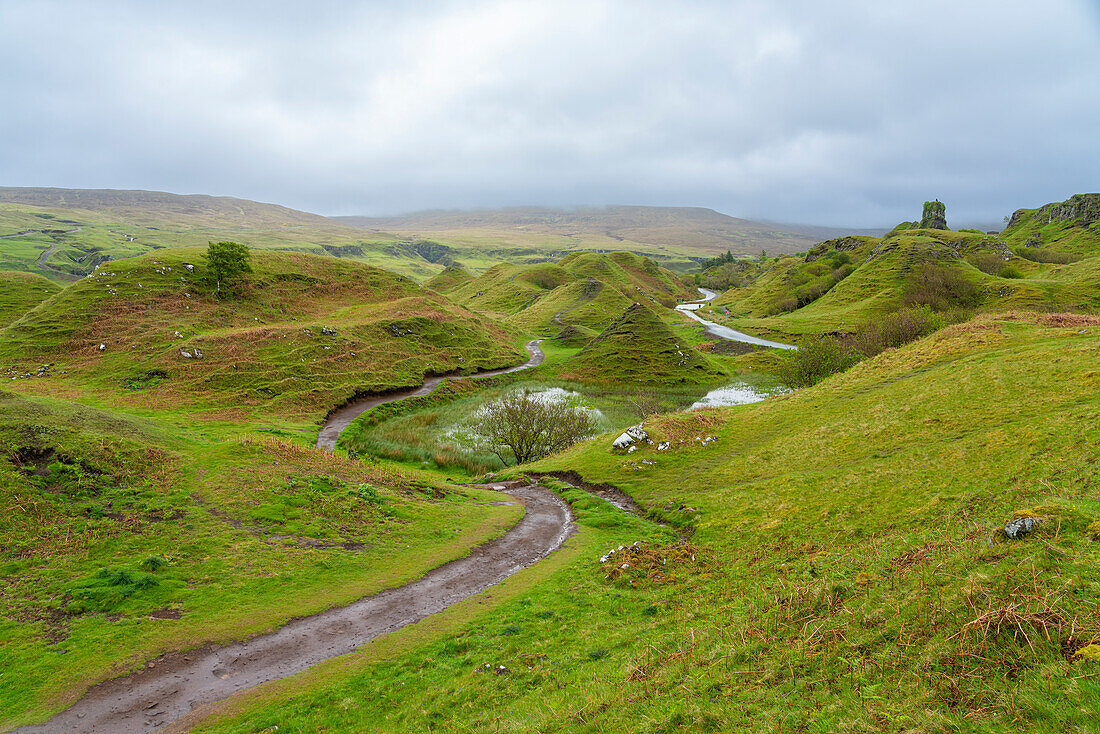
724,332
173,685
342,417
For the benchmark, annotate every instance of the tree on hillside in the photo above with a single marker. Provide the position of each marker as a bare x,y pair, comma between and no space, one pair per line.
227,261
524,427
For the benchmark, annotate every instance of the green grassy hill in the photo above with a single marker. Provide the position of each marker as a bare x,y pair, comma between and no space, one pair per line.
127,537
842,283
638,348
20,292
65,233
584,290
451,277
1071,226
304,334
586,305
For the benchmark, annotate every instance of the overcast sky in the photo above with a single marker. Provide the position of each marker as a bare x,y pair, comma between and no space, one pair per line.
842,112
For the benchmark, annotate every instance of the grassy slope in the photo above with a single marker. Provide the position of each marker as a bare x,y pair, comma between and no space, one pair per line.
88,227
882,269
265,352
587,290
252,529
638,348
449,278
1072,226
20,292
847,560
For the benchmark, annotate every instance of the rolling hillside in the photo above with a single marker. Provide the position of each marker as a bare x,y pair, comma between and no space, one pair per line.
304,335
674,236
846,281
587,290
65,233
638,348
20,292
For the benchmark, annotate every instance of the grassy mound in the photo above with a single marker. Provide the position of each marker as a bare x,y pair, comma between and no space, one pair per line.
304,334
451,277
639,348
586,289
587,303
574,336
20,292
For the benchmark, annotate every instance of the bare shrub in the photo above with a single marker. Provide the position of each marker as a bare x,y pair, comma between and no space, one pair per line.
524,427
647,402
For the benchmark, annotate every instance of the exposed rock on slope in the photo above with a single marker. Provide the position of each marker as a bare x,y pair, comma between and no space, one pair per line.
934,215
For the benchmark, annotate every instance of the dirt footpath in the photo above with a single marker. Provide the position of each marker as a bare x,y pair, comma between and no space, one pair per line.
172,685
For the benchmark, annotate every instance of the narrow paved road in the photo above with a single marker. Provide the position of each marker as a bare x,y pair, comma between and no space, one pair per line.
724,332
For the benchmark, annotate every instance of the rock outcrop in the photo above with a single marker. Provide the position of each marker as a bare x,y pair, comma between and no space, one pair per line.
934,215
1081,209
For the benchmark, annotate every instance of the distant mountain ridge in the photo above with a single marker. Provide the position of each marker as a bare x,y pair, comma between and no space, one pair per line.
136,202
696,228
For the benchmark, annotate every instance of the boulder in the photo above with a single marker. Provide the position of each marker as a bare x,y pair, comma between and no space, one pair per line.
1020,527
623,442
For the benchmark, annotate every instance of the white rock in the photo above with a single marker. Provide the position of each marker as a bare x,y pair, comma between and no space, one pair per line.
623,441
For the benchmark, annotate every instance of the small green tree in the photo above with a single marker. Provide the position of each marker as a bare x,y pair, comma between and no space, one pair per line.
227,261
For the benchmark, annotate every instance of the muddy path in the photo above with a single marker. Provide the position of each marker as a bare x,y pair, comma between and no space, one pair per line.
342,417
171,686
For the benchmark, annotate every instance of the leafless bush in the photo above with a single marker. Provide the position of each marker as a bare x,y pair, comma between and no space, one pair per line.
524,427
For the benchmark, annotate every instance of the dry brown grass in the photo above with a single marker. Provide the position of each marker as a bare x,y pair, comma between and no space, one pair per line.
688,426
655,563
1014,620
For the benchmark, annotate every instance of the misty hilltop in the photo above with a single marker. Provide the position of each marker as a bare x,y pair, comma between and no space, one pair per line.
694,228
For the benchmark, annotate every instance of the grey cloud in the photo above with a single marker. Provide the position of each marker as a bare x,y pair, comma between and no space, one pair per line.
837,113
